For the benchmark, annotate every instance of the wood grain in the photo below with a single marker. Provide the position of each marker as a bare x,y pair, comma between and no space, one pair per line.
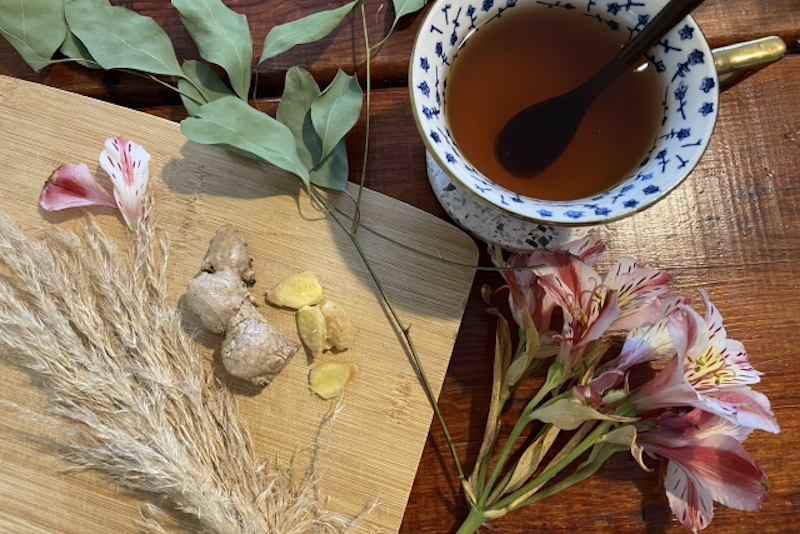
372,449
723,22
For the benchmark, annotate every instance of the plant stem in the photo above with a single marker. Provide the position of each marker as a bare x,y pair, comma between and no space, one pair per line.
555,375
472,523
590,440
406,331
367,104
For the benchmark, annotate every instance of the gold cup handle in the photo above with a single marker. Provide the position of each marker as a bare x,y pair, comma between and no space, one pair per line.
735,60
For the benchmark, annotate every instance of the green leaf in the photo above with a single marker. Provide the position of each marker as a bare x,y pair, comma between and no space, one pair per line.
232,123
200,85
294,110
406,7
530,459
569,414
118,38
336,110
304,30
72,47
35,28
222,37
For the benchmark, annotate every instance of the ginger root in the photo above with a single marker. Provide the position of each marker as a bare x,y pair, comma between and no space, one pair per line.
252,348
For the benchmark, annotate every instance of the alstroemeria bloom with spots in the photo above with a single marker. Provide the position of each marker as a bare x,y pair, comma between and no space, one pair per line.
707,463
709,371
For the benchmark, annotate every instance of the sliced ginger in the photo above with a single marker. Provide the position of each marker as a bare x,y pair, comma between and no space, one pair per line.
338,333
328,379
298,290
312,327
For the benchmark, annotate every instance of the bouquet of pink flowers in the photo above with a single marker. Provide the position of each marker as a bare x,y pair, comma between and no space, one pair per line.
695,412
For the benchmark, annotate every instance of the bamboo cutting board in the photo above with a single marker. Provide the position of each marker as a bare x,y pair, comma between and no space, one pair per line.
372,449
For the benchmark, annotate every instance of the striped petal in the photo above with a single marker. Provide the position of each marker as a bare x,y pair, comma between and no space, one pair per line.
127,164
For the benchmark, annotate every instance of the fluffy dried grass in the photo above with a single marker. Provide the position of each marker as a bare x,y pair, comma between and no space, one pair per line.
91,319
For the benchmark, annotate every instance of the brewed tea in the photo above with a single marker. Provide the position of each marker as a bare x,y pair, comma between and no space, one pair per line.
531,54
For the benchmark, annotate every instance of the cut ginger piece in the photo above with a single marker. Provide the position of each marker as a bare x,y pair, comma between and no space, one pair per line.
339,334
328,379
298,290
312,327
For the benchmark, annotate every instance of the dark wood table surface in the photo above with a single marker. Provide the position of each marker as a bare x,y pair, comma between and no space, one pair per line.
733,228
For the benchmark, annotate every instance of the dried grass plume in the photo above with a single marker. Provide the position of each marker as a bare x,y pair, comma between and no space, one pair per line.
91,317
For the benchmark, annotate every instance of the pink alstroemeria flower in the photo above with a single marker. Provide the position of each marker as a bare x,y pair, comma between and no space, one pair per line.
709,371
626,297
127,164
707,463
70,186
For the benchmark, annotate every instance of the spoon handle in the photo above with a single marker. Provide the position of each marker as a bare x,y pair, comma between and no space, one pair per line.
665,20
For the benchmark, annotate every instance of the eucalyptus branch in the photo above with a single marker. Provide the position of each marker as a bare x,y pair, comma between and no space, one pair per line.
367,105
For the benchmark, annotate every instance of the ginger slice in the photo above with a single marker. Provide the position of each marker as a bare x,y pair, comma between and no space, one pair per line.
312,328
298,290
339,334
328,379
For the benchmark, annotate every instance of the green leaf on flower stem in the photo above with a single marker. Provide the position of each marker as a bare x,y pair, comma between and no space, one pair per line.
336,110
118,38
502,357
304,30
519,367
626,437
569,414
72,47
222,37
35,28
231,123
406,7
200,85
294,110
530,459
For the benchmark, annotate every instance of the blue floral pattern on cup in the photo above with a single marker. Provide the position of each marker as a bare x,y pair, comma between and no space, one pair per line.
689,108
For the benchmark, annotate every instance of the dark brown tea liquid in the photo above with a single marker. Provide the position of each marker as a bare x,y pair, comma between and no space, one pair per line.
530,54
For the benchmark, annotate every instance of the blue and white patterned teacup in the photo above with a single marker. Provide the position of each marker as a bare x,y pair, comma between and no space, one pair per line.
499,216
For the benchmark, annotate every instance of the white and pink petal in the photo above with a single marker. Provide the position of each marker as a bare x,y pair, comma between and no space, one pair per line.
127,164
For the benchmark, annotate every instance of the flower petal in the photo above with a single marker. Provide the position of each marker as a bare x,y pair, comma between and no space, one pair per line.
127,164
691,504
72,185
745,407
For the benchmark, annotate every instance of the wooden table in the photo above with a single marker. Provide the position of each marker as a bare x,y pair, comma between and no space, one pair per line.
732,227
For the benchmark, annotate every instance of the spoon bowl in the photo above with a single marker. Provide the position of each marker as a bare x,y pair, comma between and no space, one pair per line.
538,135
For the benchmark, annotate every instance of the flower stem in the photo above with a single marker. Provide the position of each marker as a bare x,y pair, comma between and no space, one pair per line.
472,523
590,440
555,375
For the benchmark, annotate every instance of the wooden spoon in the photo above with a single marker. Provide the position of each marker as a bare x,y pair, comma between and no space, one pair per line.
536,136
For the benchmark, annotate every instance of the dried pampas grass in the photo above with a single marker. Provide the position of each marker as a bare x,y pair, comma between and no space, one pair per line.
90,317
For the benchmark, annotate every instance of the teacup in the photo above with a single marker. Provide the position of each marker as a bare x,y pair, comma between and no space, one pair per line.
691,86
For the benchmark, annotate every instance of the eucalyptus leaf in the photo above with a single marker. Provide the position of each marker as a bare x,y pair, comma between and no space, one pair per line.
294,110
222,37
406,7
332,173
232,123
200,85
35,28
336,110
118,38
73,48
303,30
